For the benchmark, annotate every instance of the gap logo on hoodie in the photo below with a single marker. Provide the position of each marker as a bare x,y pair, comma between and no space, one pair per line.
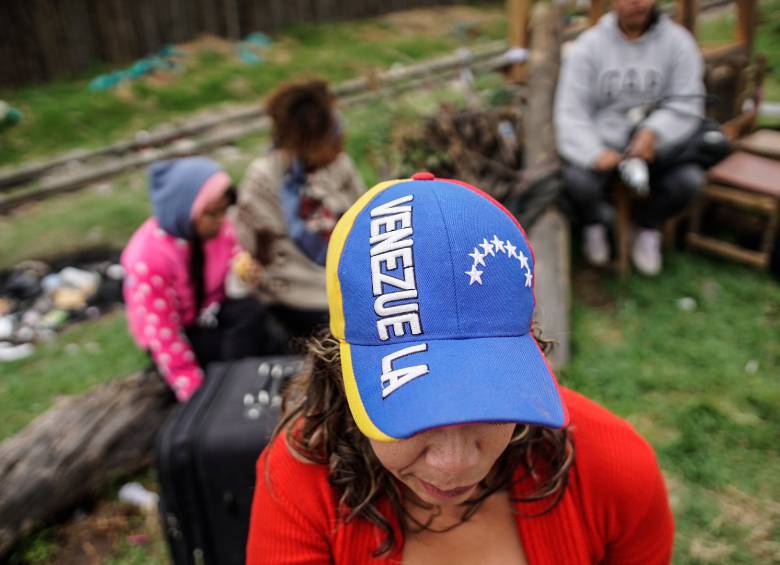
645,84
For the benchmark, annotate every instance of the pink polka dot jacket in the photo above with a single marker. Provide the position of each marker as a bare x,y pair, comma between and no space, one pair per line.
160,297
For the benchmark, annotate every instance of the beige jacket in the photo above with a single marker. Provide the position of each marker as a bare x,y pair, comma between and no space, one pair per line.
289,276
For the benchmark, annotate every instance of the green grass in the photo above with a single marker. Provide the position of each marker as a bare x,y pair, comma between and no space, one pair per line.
65,115
81,357
104,215
702,386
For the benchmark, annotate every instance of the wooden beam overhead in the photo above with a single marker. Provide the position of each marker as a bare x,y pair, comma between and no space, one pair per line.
687,10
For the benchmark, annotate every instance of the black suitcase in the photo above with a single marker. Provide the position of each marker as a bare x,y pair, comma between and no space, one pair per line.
205,458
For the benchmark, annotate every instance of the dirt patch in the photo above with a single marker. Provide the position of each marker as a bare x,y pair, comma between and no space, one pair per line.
676,489
206,42
430,20
589,285
710,550
89,538
104,532
759,517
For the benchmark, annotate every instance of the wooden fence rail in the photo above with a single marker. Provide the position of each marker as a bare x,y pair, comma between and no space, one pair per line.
44,39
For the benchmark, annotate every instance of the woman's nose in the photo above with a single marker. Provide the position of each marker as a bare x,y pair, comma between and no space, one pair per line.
452,449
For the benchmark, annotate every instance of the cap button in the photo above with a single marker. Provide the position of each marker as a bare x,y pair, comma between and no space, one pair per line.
423,176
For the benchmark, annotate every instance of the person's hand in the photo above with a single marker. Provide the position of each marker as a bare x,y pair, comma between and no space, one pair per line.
247,269
264,240
607,160
643,145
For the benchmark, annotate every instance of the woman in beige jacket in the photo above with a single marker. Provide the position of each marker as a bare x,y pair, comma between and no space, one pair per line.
290,200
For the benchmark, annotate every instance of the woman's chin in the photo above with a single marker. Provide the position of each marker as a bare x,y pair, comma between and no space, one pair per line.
432,494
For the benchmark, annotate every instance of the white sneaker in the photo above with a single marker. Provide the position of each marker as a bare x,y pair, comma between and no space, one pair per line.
595,244
646,251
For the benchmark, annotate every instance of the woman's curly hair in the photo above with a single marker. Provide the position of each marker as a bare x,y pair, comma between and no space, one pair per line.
301,114
318,427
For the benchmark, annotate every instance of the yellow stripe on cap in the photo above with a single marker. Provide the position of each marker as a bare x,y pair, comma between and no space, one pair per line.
359,413
336,305
335,247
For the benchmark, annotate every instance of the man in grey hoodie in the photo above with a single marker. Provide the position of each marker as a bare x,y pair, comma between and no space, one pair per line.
630,87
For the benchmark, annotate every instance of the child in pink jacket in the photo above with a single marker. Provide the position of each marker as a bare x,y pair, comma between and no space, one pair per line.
176,267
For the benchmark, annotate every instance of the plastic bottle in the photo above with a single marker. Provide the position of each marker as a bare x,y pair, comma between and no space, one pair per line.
635,175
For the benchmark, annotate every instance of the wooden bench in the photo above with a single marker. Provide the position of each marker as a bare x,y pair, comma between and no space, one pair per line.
747,182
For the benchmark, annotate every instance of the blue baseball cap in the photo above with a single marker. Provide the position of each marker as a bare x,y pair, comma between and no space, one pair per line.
431,296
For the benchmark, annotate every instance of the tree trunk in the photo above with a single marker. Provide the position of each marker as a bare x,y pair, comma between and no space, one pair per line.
544,60
550,235
76,448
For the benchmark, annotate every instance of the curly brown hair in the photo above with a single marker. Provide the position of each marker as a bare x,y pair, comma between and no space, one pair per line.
301,114
318,426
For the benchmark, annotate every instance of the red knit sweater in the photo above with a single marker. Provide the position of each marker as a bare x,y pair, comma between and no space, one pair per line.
615,508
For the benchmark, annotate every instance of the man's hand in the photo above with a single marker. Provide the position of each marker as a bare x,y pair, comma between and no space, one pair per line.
643,145
607,160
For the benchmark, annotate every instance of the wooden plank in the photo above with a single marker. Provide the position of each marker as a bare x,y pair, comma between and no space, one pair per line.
47,37
519,12
762,142
746,22
756,259
686,14
232,21
207,15
544,62
597,9
549,234
550,239
79,35
741,198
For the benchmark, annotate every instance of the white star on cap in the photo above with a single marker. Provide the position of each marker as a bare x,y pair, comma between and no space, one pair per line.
497,243
479,258
474,275
528,278
523,260
487,247
510,249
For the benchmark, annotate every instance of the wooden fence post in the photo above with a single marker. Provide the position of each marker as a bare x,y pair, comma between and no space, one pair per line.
687,11
518,12
746,22
550,234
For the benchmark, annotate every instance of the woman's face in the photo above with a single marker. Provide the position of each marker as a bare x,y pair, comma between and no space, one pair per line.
444,465
324,153
208,224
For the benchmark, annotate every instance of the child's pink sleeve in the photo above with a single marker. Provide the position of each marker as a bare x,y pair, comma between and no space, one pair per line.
152,304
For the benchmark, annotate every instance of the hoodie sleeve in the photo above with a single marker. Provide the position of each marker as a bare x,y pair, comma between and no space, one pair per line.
575,130
151,303
258,209
683,105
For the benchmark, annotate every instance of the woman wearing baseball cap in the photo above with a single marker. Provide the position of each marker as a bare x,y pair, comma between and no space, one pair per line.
429,427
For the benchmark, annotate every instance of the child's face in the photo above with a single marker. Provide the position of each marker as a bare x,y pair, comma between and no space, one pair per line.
444,466
208,224
323,154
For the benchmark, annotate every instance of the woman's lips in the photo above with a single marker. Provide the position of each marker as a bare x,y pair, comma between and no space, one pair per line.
446,494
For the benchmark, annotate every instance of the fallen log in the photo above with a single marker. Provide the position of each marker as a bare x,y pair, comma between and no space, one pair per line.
77,448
